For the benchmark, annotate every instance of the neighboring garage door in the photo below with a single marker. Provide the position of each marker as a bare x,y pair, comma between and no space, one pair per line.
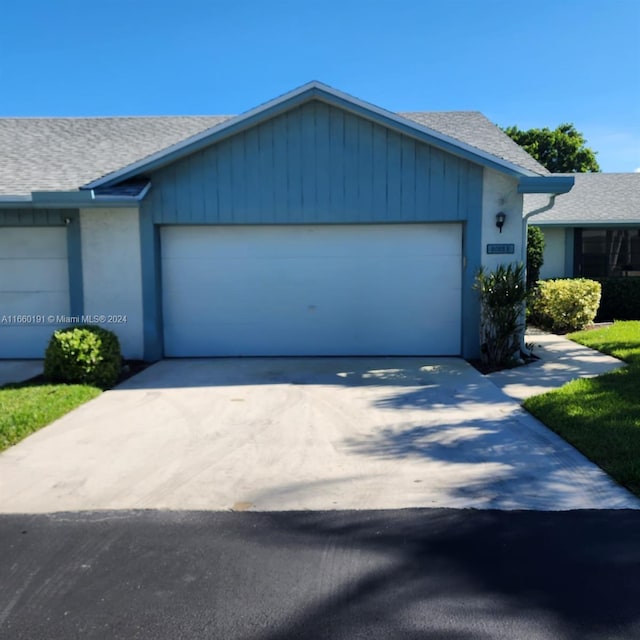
34,284
312,290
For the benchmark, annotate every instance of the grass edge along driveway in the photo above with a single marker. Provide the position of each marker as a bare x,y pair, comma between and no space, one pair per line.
601,416
29,406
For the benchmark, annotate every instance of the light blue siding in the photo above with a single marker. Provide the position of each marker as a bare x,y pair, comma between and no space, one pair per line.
74,265
315,164
35,217
472,252
151,287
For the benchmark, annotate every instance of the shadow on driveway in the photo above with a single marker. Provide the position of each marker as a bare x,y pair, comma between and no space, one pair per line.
335,371
278,434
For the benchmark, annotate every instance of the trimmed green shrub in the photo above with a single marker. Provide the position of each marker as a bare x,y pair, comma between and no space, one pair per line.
620,299
535,255
85,354
565,305
502,296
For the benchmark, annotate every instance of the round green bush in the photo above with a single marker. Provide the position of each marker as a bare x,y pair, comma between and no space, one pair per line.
84,354
565,304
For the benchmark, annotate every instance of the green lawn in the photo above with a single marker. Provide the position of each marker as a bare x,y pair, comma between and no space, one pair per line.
26,407
601,416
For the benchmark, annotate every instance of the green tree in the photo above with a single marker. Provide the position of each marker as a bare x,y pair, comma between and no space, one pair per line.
535,253
561,150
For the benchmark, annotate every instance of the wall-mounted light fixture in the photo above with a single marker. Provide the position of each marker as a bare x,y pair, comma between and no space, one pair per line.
500,218
67,220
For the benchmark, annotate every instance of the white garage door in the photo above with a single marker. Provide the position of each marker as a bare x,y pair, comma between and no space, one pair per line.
312,290
34,284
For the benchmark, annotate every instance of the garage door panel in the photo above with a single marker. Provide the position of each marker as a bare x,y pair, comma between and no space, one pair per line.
277,295
33,242
25,274
269,279
34,303
26,341
292,242
34,281
358,290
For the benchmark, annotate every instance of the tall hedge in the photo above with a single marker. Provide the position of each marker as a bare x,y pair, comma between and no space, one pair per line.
535,255
620,299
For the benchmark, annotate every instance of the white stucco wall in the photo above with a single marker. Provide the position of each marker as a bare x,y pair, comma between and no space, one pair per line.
554,253
500,193
112,280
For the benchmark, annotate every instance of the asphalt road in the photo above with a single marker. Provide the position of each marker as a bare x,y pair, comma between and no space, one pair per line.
409,574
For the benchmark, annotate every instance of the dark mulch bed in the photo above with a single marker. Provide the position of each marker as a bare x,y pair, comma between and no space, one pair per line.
484,368
130,368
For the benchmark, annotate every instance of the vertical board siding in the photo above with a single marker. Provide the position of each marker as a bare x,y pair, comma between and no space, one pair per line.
408,183
322,143
253,171
222,161
393,183
35,217
308,167
289,153
265,160
314,164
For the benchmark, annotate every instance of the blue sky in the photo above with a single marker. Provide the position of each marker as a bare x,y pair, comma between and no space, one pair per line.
531,63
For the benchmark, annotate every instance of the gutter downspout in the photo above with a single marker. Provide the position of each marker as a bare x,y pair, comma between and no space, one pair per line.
525,226
535,212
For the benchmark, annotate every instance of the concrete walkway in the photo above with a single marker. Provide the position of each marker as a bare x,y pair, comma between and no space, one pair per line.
19,370
561,360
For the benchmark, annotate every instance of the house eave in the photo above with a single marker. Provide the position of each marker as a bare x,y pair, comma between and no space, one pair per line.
587,223
84,199
546,184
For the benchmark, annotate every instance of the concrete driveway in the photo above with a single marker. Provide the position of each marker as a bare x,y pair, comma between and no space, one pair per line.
272,434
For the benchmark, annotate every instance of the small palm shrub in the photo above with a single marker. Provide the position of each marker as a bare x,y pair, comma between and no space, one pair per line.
85,354
502,296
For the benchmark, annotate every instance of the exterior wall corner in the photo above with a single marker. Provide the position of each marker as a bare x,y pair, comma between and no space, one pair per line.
112,280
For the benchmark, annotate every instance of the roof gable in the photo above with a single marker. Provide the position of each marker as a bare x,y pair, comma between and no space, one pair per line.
60,155
411,126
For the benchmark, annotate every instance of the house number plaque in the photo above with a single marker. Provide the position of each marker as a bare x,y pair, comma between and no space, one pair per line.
500,248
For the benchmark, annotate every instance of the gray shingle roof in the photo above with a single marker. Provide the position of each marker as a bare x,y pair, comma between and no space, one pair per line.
477,130
596,198
62,154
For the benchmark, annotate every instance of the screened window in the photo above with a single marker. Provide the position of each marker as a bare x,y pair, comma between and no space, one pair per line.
607,252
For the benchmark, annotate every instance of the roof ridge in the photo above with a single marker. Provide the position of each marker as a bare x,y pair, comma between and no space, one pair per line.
118,117
205,115
448,111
